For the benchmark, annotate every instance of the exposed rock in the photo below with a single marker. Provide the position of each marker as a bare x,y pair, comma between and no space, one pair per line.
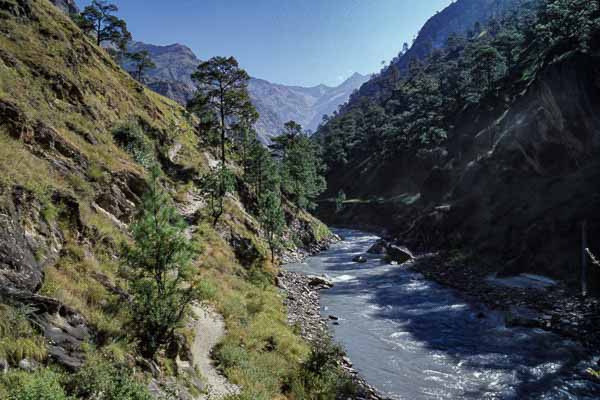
28,242
67,6
398,254
13,119
4,365
319,282
27,365
360,259
122,196
45,142
245,250
380,247
65,329
111,287
17,8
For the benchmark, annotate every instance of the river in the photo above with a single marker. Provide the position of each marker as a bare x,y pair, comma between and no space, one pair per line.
414,339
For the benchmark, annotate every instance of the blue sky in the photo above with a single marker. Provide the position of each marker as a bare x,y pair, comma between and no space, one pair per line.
294,42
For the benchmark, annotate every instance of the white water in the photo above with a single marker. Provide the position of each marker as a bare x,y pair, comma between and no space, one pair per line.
414,339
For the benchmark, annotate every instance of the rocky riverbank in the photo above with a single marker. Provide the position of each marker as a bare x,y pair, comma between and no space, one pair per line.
302,300
298,254
553,308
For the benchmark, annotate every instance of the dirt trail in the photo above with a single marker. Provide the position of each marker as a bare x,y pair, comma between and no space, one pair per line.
209,330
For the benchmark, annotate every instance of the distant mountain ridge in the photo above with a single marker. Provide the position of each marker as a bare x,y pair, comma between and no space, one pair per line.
276,103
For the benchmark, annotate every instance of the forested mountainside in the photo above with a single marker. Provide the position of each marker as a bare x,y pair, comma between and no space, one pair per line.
462,17
276,104
490,144
96,172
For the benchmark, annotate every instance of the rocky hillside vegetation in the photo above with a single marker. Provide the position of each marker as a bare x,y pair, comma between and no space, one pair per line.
489,144
77,138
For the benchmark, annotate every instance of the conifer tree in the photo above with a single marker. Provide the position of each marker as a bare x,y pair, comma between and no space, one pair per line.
141,63
272,218
98,18
160,260
223,91
219,182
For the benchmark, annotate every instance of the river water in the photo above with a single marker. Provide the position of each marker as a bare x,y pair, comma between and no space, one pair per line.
414,339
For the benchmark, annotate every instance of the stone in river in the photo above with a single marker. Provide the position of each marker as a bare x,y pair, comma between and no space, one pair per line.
360,259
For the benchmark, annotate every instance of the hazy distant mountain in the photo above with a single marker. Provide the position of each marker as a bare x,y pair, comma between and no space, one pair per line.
276,103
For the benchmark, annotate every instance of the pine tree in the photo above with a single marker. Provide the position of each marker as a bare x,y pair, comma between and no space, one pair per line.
219,182
272,219
261,172
223,91
98,18
141,63
300,166
162,280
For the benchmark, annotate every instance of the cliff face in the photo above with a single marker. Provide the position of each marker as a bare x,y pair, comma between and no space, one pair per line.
532,179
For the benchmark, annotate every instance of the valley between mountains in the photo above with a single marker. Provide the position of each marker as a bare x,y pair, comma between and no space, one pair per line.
172,227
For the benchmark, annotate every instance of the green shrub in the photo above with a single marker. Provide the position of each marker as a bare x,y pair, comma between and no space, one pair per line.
321,378
131,137
102,380
43,384
18,339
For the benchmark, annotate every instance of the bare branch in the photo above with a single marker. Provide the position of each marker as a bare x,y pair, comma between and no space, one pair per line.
594,260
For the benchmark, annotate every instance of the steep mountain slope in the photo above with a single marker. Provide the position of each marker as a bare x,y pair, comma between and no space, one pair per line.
76,136
459,17
509,172
277,104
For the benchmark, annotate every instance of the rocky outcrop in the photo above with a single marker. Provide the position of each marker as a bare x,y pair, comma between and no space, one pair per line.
16,8
30,239
121,197
67,6
19,268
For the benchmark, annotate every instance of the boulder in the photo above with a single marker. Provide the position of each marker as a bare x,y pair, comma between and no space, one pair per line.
27,365
319,282
398,254
380,247
360,259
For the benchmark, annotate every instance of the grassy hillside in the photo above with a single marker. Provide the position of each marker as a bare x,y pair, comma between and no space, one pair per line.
76,133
